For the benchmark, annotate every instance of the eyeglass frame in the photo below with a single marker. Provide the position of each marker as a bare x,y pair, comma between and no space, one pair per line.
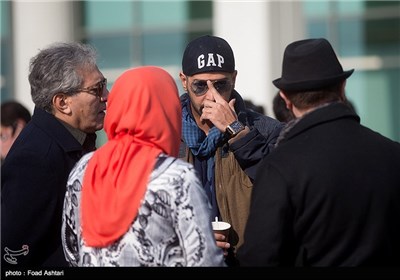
229,84
98,88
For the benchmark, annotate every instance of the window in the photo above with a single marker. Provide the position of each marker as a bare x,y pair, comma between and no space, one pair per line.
366,36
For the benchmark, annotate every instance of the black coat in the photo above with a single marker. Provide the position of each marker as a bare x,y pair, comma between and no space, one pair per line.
33,178
328,195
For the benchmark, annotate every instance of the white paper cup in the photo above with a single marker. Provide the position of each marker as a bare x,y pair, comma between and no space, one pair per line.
221,227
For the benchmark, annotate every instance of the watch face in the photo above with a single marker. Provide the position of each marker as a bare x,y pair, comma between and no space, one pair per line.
234,128
237,126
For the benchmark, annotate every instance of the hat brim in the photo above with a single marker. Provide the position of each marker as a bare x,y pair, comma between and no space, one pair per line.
311,84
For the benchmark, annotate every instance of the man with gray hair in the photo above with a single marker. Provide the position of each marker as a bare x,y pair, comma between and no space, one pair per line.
70,95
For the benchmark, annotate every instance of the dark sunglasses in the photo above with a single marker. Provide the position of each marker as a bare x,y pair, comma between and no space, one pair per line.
97,89
199,87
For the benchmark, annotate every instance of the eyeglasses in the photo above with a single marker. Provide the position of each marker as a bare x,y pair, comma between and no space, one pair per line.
97,89
199,87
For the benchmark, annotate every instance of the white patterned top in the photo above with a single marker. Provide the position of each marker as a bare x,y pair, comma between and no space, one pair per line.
172,227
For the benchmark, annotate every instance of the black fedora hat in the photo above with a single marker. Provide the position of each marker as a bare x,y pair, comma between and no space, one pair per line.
309,65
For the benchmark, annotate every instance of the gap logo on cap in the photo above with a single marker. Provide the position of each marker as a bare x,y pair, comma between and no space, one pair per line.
211,60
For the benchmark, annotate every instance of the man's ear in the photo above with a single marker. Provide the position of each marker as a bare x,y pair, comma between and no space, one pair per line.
234,75
289,104
183,81
61,104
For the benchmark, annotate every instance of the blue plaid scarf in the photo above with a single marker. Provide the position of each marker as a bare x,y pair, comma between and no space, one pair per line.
203,147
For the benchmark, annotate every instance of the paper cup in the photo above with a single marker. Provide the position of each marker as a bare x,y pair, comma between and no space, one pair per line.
221,227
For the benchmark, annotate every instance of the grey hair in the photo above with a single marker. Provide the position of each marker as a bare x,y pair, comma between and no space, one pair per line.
58,69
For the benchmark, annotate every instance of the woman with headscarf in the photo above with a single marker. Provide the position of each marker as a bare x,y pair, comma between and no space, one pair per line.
131,202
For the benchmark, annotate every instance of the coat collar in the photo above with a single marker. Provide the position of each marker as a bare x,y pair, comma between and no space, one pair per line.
56,130
323,114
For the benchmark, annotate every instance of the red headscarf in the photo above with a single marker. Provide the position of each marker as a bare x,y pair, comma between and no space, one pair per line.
143,119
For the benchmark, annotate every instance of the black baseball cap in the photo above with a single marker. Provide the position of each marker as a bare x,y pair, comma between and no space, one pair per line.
208,54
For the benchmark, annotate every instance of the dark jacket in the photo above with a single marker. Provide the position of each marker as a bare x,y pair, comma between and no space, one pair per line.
33,184
236,165
328,195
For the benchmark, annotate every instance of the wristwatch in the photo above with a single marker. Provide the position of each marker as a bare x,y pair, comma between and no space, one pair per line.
234,128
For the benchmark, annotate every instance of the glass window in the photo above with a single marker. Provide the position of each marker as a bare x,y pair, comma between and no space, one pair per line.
6,86
169,54
350,33
317,29
367,34
131,33
115,51
316,8
102,16
382,36
166,13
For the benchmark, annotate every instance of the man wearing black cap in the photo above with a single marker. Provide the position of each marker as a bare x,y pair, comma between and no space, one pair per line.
222,139
329,193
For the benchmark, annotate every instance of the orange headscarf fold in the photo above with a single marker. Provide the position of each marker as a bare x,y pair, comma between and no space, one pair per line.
143,119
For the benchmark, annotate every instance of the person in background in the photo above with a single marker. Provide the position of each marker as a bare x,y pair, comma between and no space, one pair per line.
70,97
328,195
281,112
220,137
251,106
132,202
14,117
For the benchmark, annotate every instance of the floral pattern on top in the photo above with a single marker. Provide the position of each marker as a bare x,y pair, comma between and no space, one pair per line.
171,229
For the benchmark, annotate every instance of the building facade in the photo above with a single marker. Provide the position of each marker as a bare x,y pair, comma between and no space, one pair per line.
365,34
